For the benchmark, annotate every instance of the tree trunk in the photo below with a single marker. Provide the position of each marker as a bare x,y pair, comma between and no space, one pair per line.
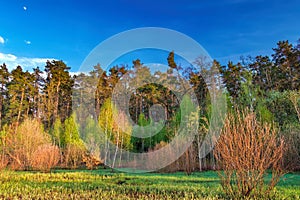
199,152
20,107
57,100
187,162
117,148
1,105
121,148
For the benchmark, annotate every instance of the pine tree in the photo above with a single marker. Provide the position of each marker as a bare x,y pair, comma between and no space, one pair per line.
232,76
38,84
20,90
4,78
171,61
57,91
286,60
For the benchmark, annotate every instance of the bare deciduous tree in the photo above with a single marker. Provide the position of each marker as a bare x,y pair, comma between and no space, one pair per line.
246,150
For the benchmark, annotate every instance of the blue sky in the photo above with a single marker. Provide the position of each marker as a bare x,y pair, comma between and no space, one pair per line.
32,31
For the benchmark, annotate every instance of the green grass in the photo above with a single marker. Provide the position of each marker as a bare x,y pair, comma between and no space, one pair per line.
103,184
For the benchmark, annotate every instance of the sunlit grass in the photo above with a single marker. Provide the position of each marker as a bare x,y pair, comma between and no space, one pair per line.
104,184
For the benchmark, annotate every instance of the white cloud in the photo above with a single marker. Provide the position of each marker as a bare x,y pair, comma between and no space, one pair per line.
7,57
24,8
74,73
26,63
27,42
1,40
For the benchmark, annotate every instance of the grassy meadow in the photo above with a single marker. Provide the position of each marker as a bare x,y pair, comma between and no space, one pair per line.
104,184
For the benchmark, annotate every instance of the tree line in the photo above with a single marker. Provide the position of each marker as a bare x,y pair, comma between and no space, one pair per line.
267,85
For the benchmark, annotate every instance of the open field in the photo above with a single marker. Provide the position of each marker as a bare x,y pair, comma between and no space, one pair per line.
103,184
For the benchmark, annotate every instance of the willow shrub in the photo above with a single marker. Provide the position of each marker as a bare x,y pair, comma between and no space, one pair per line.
245,151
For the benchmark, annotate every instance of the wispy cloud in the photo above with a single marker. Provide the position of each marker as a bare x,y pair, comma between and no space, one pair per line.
27,42
1,40
26,63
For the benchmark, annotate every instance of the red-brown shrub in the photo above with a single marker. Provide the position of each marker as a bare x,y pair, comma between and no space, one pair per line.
3,161
245,150
73,155
91,161
22,143
45,157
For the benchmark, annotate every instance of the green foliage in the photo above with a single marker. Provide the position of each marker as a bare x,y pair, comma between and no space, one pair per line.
232,76
105,119
4,79
91,134
281,107
141,144
57,132
71,132
263,112
124,130
142,120
115,126
58,91
186,106
294,97
20,92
